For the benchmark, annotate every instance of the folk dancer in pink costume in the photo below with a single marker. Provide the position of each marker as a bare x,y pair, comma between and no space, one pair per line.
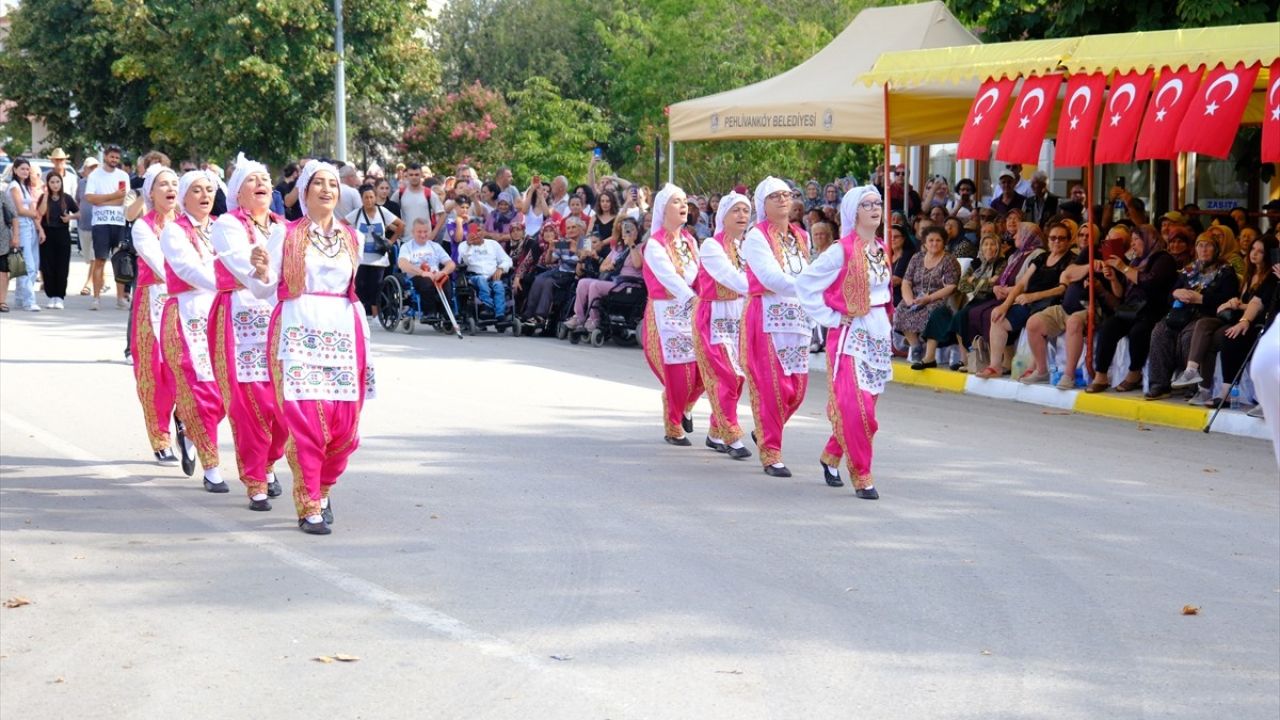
847,290
191,284
156,385
717,318
775,330
317,343
670,270
238,331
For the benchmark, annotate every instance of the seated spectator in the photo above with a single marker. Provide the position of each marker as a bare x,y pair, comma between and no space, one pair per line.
900,251
577,208
1008,199
1181,245
958,243
1036,288
976,321
1011,221
1201,288
797,213
975,286
939,195
812,217
622,264
427,266
938,215
1236,341
1072,316
1225,236
498,224
1225,327
561,258
485,262
831,196
1143,279
931,277
528,262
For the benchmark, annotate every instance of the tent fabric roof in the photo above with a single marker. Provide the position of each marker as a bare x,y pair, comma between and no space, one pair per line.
820,100
1122,52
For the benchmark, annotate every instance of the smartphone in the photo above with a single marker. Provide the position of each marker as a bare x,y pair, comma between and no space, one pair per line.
121,186
1120,182
598,153
537,180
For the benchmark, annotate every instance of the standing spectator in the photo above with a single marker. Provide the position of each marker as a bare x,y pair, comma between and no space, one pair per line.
417,201
606,214
25,194
559,199
963,205
8,238
1041,204
930,279
1023,186
56,210
84,221
70,183
371,223
288,191
105,190
1009,198
485,262
812,196
349,198
945,323
382,190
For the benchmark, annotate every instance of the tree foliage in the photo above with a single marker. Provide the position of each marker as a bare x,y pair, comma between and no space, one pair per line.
551,134
470,125
1005,20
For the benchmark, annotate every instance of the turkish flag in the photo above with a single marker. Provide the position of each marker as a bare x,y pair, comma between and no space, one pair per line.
1211,123
1172,99
1024,130
984,119
1078,120
1121,117
1271,121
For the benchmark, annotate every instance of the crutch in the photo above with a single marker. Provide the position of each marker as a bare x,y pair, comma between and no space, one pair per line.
448,308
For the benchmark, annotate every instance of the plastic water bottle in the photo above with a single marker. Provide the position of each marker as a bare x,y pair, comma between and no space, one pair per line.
1080,377
1177,303
1055,375
1235,397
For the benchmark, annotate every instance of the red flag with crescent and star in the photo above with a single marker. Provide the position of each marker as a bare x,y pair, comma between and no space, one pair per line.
1211,123
1029,121
1121,117
1078,120
984,119
1271,121
1173,96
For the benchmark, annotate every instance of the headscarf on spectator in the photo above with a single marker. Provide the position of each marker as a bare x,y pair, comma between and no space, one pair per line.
187,180
1026,242
727,203
767,187
149,181
244,168
659,207
304,180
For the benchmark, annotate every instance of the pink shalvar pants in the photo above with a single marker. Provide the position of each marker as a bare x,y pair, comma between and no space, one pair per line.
724,385
199,403
157,389
775,396
852,412
681,382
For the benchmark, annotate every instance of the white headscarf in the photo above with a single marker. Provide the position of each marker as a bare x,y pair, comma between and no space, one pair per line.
767,187
149,181
304,180
244,168
849,206
726,204
187,180
664,196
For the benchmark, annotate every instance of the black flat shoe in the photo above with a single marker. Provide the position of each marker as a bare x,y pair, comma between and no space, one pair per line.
262,505
687,423
717,446
677,441
755,440
918,365
867,494
217,488
166,457
738,453
955,366
831,475
320,528
772,471
327,513
273,489
188,460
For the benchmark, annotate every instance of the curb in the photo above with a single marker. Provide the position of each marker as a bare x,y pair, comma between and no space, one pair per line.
1130,407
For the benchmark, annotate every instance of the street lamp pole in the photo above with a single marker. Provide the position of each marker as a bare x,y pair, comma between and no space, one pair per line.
340,87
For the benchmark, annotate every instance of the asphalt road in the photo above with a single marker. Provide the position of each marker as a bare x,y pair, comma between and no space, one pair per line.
513,540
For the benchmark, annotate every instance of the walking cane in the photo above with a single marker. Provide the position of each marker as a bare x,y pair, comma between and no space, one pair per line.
1236,381
448,309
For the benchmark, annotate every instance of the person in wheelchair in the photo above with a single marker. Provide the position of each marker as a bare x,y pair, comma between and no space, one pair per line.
620,264
484,262
562,258
426,266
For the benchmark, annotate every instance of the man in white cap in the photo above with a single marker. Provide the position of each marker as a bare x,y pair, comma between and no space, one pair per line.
1009,197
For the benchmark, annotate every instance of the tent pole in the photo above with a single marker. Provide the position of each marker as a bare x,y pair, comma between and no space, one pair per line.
671,161
884,213
1088,210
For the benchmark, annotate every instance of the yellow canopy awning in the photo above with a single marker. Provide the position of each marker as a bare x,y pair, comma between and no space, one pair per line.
1121,52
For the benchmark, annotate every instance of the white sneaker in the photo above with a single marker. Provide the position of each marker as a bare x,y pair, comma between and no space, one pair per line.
1186,379
95,305
34,307
1202,397
52,304
122,304
62,303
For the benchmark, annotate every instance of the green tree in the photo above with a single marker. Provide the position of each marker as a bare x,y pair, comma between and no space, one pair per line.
1005,20
65,77
551,134
470,125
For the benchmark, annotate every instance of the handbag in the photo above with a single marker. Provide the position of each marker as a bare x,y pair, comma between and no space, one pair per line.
1179,317
122,263
17,262
1231,317
1130,309
979,357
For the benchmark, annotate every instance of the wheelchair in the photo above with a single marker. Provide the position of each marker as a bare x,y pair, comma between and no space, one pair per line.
400,305
561,310
474,317
621,311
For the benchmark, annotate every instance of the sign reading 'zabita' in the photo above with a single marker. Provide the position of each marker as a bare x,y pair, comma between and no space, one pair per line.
764,121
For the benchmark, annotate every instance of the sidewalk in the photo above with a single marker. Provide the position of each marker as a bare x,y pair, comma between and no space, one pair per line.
1123,406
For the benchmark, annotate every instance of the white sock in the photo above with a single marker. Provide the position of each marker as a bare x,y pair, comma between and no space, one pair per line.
259,496
191,447
778,465
324,502
715,439
869,487
213,475
736,444
315,519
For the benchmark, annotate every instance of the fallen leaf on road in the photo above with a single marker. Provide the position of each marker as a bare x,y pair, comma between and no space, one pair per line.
1055,412
435,517
1211,470
16,602
345,658
851,589
562,658
57,681
985,652
1143,428
323,659
1190,610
